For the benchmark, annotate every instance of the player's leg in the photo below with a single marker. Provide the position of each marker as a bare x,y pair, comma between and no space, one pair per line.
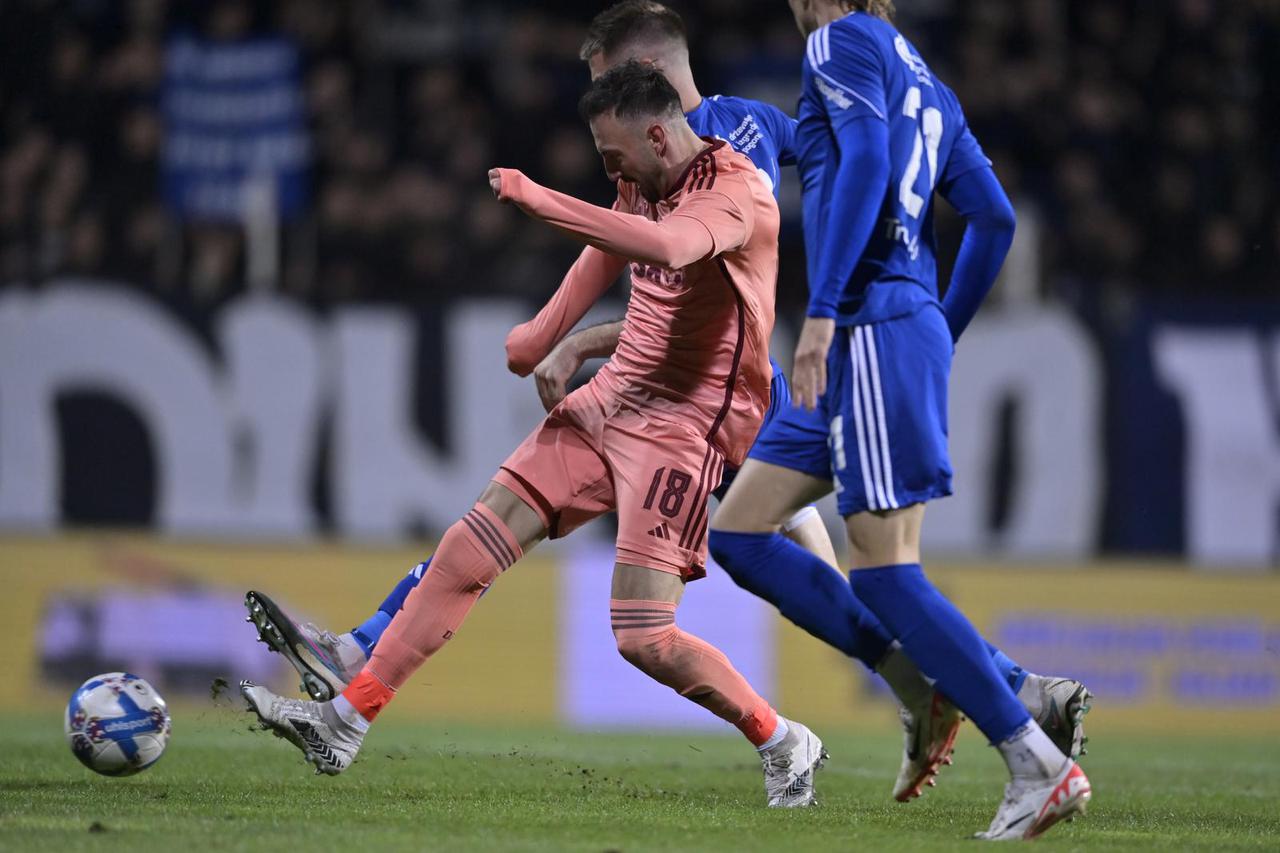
1046,784
555,479
325,661
497,532
472,553
806,528
663,474
746,540
368,632
642,610
887,391
793,439
789,466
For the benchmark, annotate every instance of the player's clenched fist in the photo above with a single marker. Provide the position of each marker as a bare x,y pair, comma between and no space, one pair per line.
809,376
553,373
508,184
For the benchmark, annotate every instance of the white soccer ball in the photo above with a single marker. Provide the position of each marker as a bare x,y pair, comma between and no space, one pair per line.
117,724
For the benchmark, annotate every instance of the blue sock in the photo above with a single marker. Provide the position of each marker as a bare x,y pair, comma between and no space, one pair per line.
804,588
1012,673
942,642
370,630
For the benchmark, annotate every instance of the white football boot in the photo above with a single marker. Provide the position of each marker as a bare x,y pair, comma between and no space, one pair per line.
930,736
326,740
325,661
1031,807
789,767
1058,705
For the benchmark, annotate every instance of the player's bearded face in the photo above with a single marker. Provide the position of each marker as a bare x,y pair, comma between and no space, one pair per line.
631,151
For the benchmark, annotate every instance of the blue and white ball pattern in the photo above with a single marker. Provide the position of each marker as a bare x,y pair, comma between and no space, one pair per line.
117,724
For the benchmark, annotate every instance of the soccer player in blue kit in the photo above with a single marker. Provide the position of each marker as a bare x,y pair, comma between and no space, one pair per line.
878,133
814,595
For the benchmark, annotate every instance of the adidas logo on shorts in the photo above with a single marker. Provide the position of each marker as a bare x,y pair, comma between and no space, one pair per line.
661,531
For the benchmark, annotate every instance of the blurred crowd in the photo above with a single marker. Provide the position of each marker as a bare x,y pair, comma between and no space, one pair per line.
1139,140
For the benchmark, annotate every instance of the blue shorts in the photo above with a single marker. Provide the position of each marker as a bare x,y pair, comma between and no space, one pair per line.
886,411
779,404
794,438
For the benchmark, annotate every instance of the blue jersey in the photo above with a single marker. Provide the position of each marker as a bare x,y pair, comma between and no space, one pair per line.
762,132
860,68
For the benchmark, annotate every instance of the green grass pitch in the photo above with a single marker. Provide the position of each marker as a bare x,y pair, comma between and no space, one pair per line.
222,786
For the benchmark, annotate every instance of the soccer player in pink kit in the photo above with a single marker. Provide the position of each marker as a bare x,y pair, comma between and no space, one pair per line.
684,393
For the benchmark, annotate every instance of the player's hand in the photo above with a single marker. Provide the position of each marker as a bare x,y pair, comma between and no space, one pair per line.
809,375
495,183
553,373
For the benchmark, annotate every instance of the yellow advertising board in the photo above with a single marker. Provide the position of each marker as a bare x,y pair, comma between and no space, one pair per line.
1164,648
96,589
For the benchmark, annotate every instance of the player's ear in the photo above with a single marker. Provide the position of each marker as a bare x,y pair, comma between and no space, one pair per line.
657,135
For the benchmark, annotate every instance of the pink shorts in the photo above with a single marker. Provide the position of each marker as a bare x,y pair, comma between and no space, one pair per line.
593,454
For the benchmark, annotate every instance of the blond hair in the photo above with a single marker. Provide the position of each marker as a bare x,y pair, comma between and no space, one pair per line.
879,8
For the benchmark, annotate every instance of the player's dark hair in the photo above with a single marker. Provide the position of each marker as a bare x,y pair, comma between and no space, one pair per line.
631,21
631,90
879,8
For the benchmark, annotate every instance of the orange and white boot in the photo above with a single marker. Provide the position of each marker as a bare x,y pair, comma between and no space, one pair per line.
1031,807
930,736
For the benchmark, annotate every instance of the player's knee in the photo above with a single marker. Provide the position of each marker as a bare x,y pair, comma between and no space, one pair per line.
740,515
729,548
718,543
648,652
524,523
886,537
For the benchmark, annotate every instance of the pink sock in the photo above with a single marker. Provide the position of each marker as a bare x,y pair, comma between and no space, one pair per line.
472,553
648,637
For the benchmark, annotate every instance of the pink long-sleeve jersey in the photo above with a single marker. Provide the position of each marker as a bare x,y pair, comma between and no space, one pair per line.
704,265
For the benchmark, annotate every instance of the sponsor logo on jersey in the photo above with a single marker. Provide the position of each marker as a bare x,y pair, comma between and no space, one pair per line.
747,135
915,63
661,276
896,231
832,94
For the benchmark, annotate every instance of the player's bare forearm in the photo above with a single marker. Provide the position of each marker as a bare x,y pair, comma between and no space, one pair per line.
553,373
596,341
674,243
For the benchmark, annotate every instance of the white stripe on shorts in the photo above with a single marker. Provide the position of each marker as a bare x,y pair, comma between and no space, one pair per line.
873,358
869,416
858,429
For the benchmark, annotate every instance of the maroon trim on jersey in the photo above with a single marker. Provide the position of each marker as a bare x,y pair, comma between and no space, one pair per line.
697,526
696,179
713,145
690,524
719,476
737,352
705,176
